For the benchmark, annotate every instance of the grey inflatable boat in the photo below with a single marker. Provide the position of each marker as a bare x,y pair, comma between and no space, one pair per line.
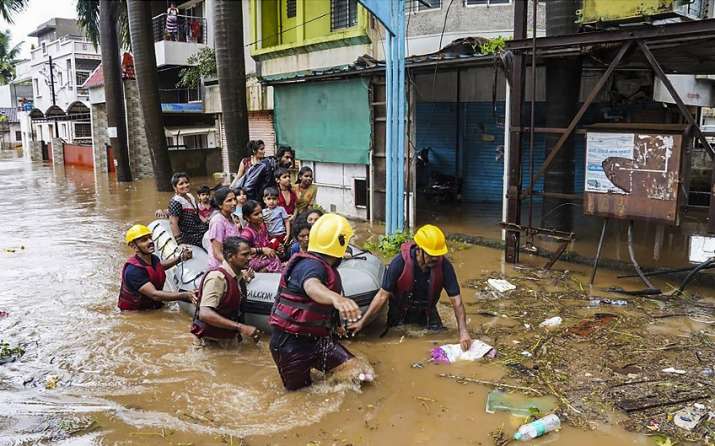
361,277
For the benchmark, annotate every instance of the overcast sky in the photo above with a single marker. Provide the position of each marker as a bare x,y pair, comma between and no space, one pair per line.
38,11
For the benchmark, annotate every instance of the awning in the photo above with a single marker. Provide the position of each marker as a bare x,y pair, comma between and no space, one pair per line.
175,131
325,121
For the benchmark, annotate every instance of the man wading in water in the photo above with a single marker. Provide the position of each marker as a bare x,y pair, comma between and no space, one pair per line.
143,275
303,316
413,283
222,291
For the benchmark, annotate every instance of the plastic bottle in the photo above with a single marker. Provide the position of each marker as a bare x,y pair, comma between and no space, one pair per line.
537,428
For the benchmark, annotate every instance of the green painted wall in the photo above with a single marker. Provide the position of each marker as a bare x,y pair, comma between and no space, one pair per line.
325,121
289,35
321,26
269,23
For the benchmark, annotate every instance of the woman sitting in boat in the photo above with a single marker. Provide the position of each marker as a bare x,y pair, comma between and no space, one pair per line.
186,224
265,258
221,226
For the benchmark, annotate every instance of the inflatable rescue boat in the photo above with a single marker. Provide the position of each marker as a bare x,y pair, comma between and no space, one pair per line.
361,276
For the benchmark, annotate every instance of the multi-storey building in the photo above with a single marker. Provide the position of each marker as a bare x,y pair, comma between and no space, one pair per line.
59,64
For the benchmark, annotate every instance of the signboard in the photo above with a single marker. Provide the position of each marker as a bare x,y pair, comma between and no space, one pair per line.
633,175
701,248
112,132
188,107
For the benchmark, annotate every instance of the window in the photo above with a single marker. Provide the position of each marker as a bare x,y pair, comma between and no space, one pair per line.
360,191
486,2
196,141
44,47
59,79
69,72
424,5
290,8
343,14
36,84
18,135
82,130
81,77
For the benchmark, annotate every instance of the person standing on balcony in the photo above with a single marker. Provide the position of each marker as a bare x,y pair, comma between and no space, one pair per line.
172,21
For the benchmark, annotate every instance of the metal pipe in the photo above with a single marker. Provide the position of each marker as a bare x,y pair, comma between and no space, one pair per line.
507,155
533,108
390,99
400,42
705,265
633,257
598,251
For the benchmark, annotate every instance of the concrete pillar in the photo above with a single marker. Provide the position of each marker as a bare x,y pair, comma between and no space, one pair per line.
58,152
99,138
35,150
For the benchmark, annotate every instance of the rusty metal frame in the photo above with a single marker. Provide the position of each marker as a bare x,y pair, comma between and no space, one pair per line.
581,111
672,33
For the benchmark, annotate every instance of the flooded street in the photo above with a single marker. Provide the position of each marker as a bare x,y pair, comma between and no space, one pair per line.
135,378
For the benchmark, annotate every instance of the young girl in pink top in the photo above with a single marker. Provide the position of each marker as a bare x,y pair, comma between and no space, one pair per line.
265,258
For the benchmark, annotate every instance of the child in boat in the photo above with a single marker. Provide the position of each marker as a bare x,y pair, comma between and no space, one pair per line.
276,218
265,258
205,208
301,233
287,197
186,224
241,199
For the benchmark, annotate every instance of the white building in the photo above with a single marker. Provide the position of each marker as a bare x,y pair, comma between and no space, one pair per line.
60,63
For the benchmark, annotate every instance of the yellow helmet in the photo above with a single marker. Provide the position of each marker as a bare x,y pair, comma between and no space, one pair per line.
135,232
330,235
431,240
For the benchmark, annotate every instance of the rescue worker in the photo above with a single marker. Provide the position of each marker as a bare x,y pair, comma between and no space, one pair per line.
143,274
304,317
413,283
218,314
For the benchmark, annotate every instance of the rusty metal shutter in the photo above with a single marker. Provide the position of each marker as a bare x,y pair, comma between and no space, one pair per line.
260,126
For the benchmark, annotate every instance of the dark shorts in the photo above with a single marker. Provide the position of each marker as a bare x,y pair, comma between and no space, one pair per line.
296,355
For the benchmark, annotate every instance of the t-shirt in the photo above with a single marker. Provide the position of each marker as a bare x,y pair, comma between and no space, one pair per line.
394,270
304,270
205,212
294,248
274,219
135,277
220,228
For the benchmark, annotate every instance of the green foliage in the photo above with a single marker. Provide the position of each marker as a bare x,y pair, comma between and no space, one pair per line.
10,352
493,46
8,57
388,245
201,64
88,17
8,8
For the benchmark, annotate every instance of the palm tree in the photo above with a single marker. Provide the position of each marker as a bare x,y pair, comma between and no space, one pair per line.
99,19
232,77
8,8
8,58
140,29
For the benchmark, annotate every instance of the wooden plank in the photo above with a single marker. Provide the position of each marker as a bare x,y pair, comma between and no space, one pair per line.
649,402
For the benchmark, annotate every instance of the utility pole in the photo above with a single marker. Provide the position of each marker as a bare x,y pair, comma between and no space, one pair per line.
52,89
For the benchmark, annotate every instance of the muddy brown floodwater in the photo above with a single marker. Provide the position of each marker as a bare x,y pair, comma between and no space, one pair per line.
135,379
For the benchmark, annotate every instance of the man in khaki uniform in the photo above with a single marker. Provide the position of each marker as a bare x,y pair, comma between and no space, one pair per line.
217,317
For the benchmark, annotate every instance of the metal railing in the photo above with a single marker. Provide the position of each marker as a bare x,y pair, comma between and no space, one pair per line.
179,95
181,28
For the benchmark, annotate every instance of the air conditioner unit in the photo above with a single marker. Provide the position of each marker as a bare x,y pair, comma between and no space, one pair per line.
692,91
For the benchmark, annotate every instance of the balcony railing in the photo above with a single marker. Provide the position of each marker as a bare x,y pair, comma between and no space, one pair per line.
183,28
180,95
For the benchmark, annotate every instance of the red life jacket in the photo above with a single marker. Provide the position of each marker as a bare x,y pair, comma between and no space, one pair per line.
229,307
129,300
402,299
297,313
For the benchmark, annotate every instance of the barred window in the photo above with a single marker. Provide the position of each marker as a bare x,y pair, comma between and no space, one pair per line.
486,2
424,5
290,8
343,14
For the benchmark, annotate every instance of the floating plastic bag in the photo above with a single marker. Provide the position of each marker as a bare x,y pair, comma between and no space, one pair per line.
450,353
501,285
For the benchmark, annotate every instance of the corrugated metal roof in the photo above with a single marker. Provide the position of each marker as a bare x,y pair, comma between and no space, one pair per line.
96,79
460,51
10,112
